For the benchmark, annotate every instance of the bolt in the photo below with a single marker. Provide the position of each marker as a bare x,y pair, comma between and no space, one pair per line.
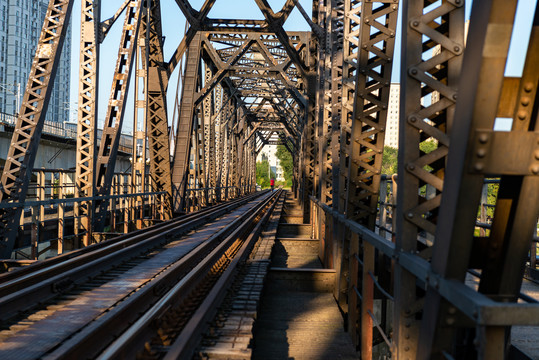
481,153
479,166
483,138
525,101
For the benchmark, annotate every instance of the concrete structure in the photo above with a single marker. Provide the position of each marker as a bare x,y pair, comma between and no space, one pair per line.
20,27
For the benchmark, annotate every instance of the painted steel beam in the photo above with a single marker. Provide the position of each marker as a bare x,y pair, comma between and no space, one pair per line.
156,110
87,116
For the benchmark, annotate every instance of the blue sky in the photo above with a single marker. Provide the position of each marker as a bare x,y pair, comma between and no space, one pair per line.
174,27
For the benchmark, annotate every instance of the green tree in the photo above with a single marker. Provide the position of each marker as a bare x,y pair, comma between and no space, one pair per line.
287,163
263,174
389,160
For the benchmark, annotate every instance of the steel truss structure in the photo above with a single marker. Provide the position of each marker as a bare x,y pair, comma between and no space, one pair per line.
324,95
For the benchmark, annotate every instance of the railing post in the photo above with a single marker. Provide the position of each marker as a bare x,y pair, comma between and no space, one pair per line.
61,212
35,232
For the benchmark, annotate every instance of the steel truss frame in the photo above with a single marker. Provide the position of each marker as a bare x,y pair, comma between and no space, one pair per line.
27,133
87,113
431,65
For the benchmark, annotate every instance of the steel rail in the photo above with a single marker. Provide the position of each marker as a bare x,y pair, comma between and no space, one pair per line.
127,345
154,229
24,292
184,273
186,342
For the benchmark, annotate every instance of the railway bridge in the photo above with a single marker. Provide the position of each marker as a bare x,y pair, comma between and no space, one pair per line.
180,256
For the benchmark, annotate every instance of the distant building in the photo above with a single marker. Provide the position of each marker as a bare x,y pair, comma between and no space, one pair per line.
269,154
392,125
20,27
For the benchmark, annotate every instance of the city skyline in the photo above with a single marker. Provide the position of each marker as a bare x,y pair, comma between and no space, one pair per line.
19,35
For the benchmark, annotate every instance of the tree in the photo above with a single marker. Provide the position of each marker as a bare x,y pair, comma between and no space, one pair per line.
263,174
389,160
287,163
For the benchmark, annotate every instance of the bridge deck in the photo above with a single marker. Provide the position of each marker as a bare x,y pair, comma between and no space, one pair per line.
298,317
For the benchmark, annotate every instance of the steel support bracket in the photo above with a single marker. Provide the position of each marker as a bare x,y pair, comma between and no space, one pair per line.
505,153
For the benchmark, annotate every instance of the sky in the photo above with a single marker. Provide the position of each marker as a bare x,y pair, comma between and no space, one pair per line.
174,28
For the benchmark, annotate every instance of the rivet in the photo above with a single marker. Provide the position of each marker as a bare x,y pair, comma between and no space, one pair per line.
407,311
406,348
537,155
525,101
411,167
483,138
412,119
413,71
522,114
450,321
476,342
406,336
367,21
481,153
455,97
364,46
528,87
415,23
535,169
456,48
475,314
410,215
479,166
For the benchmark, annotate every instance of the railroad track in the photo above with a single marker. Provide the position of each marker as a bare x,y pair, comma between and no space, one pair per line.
141,295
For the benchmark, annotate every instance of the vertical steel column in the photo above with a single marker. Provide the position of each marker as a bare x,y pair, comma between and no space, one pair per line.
476,152
87,116
108,149
156,110
368,57
432,48
24,143
138,160
324,98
